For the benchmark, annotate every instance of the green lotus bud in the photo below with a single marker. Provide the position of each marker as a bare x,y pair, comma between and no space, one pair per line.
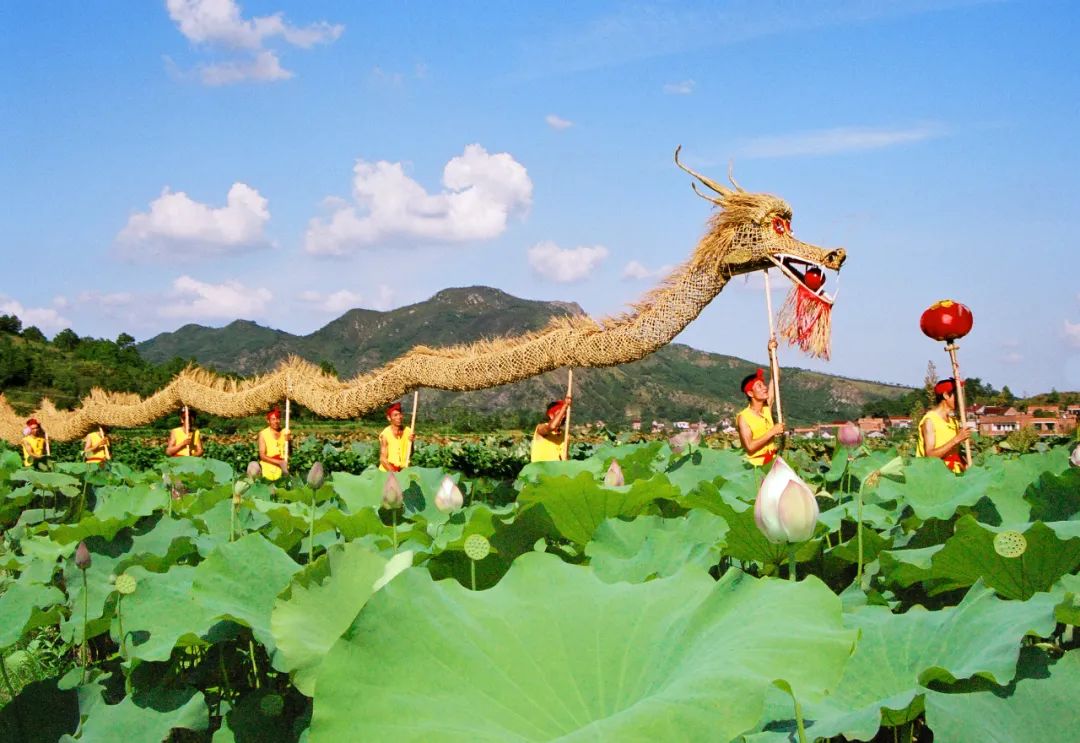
477,547
125,584
272,705
316,476
392,497
82,556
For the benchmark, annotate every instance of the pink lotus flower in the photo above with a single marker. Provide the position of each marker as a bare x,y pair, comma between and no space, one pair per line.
614,477
82,556
449,497
392,497
254,470
785,509
849,435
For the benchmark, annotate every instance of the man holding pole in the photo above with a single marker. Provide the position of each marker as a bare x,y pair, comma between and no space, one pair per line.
396,440
549,443
757,432
940,435
273,441
96,447
33,444
185,440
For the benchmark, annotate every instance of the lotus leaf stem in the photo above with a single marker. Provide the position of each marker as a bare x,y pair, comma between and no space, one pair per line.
120,623
85,625
254,664
791,561
311,527
393,516
7,679
472,573
798,719
858,532
232,523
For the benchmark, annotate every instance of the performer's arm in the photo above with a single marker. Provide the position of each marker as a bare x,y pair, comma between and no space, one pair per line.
752,445
930,443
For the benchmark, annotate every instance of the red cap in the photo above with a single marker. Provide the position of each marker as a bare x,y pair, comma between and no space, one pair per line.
945,386
759,377
396,406
33,422
274,413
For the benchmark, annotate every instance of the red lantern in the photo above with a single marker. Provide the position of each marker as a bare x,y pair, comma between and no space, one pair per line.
814,279
946,321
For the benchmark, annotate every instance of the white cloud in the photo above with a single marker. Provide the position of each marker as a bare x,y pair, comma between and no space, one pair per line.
1012,357
45,318
838,140
1072,333
195,299
557,122
565,264
685,87
176,225
218,24
636,270
481,191
113,299
338,301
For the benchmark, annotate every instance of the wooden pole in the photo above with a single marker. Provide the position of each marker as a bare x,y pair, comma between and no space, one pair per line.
566,418
187,429
48,451
774,365
951,348
285,449
101,432
412,424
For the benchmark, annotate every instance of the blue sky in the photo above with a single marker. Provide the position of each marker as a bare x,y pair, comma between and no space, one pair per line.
204,160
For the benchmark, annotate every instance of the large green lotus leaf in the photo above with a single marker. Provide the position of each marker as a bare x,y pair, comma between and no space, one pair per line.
357,524
1032,709
105,557
554,652
1068,591
199,469
23,607
128,720
40,712
162,546
641,461
577,506
307,623
969,555
53,481
251,720
706,465
164,613
418,484
241,580
1055,497
117,508
872,514
651,546
933,491
908,566
534,471
898,655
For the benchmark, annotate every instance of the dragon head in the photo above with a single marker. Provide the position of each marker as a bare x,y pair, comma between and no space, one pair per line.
752,232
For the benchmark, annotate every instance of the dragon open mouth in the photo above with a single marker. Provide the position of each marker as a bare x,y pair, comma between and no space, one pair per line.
810,275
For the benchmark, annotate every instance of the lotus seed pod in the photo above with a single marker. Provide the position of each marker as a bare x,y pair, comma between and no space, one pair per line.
1010,544
849,435
125,584
477,547
448,498
614,477
315,476
82,556
254,470
271,705
392,497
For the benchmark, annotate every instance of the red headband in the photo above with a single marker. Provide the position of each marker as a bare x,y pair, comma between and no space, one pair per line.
33,422
946,386
759,378
275,413
396,406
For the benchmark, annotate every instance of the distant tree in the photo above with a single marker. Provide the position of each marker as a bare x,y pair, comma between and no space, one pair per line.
327,367
125,341
66,340
929,381
33,334
10,324
1054,396
1006,397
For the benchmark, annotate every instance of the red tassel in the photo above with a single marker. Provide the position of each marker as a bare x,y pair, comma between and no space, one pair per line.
805,321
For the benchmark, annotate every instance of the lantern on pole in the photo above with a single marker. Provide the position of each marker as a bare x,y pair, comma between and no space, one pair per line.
948,321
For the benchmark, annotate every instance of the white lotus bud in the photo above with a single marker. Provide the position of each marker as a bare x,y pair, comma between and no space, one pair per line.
1075,458
448,498
392,497
785,509
614,477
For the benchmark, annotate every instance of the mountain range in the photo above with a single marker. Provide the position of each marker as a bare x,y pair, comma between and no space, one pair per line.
676,382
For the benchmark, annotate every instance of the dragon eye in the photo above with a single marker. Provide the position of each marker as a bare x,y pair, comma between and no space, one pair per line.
780,225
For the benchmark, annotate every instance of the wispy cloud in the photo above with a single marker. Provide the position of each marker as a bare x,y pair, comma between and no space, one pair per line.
685,87
1072,333
637,271
229,300
565,265
838,140
557,122
44,318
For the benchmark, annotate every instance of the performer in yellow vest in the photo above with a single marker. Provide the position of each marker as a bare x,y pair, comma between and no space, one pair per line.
940,434
272,442
185,440
96,447
549,443
395,441
33,443
757,432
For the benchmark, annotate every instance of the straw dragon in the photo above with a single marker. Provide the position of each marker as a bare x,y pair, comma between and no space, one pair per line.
749,232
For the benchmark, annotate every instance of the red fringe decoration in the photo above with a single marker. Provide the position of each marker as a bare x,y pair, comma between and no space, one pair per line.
805,321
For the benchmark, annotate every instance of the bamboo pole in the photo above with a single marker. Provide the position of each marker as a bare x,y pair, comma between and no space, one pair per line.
285,448
566,418
951,348
774,365
104,440
187,430
48,450
412,425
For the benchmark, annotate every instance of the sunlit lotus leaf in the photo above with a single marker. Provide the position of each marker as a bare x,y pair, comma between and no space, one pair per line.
873,515
718,466
577,506
164,613
320,605
532,472
933,491
873,543
40,712
131,721
163,545
554,652
357,524
56,482
641,461
117,508
241,580
898,655
106,556
1068,591
201,470
651,546
1032,709
24,606
907,566
1055,497
418,485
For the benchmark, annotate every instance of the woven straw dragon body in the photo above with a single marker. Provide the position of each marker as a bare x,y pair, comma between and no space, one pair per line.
749,232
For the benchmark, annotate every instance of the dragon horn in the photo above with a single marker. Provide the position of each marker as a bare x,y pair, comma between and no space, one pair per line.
722,190
710,199
731,176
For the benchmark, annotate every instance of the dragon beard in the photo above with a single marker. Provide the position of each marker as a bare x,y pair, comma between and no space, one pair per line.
805,321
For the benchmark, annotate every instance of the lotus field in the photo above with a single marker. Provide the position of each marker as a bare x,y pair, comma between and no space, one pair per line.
632,595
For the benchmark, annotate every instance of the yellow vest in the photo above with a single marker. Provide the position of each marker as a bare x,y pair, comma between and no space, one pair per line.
93,439
759,426
548,448
397,447
274,443
177,435
944,430
33,448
